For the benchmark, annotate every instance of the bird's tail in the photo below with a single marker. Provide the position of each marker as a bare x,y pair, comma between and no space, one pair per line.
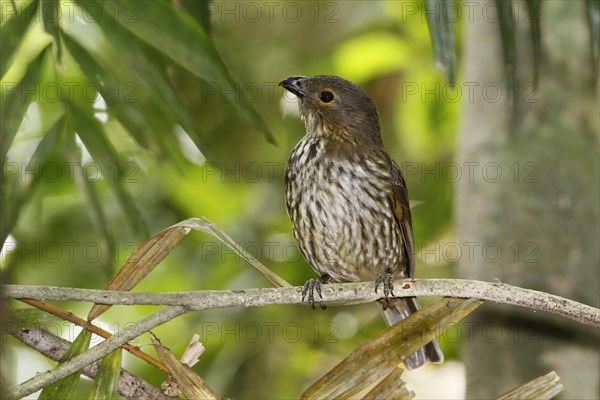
397,310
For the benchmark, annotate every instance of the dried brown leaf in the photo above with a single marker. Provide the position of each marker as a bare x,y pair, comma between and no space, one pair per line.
541,388
190,383
141,263
378,356
392,387
155,249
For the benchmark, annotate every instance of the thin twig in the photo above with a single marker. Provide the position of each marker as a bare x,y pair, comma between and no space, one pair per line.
68,316
333,294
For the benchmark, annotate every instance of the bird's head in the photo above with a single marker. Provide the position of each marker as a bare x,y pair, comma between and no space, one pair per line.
335,108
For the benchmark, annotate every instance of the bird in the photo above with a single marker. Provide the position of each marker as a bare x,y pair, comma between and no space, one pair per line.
347,199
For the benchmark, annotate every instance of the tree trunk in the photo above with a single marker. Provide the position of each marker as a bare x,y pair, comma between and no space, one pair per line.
527,206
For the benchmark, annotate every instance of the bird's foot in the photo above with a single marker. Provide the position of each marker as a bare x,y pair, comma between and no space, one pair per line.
311,286
387,280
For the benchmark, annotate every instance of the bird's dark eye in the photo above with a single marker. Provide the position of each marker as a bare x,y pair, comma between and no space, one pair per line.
326,96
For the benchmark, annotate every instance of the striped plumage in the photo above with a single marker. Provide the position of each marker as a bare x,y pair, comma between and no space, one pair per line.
345,196
335,209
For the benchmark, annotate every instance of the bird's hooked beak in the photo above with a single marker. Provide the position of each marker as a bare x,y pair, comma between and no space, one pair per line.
295,84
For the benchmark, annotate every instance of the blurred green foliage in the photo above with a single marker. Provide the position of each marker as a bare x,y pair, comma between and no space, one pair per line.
121,118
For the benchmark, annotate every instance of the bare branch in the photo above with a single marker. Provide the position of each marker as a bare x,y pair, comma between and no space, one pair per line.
54,347
132,331
333,294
